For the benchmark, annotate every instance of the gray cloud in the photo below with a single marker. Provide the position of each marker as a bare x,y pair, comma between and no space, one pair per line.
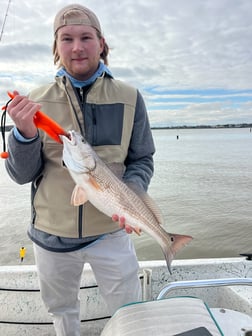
169,44
29,52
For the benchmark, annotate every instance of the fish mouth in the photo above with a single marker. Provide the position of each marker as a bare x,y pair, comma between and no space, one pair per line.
68,138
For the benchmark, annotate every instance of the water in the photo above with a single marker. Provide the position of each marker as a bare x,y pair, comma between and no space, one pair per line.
202,184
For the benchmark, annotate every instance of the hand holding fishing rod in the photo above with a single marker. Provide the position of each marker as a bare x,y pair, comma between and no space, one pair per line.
22,112
27,118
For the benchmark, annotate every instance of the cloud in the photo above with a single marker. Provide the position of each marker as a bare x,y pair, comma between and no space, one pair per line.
22,52
170,45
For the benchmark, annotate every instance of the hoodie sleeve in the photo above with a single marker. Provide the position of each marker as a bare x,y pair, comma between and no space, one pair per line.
139,162
25,159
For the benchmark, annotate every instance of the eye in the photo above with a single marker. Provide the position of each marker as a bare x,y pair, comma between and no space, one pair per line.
86,37
66,39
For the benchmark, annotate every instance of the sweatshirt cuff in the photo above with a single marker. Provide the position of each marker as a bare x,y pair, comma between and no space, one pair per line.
20,137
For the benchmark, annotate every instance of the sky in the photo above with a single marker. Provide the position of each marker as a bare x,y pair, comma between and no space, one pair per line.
190,59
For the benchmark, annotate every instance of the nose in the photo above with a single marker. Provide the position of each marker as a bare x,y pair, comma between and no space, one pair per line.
77,45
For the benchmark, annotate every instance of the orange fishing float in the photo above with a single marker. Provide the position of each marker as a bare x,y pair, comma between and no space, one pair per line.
4,155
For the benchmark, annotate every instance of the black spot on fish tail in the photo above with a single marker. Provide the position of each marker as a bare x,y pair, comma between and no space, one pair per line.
178,242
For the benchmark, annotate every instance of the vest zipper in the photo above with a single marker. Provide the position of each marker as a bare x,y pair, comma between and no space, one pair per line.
80,220
94,125
82,97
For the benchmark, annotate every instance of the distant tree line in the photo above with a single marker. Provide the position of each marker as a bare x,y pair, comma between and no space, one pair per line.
244,125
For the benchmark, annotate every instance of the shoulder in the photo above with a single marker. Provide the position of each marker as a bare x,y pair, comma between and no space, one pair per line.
119,90
47,91
120,84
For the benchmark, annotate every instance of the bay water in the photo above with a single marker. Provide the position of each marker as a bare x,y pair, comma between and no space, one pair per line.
202,184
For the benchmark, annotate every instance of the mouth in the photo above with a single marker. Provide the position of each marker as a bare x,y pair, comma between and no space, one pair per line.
68,138
80,59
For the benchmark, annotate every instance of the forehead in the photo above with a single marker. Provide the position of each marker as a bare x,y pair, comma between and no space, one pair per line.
77,29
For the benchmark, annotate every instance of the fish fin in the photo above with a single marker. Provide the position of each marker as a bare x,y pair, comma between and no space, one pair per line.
94,183
148,201
79,196
178,241
152,205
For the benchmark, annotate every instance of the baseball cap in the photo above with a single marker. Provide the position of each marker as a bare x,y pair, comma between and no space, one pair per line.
76,14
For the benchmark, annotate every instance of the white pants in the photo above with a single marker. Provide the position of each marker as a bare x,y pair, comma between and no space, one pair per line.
114,263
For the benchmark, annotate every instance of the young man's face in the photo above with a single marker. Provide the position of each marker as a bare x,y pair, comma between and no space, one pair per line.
79,49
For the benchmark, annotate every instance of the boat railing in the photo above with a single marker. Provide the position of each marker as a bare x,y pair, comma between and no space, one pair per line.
188,284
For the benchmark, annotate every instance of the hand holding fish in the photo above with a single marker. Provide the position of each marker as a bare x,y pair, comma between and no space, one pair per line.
22,111
123,225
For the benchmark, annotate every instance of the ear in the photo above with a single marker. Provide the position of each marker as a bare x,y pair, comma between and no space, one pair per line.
102,44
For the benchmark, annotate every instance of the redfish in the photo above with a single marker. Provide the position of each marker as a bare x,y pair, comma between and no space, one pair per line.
95,182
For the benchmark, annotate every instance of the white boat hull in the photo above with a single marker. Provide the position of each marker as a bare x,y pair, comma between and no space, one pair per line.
23,313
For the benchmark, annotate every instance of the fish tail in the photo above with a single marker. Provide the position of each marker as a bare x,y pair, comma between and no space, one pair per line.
170,250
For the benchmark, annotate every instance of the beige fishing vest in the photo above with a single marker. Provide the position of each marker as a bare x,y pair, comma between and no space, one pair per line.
53,212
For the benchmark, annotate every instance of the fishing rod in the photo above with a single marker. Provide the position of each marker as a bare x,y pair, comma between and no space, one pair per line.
4,21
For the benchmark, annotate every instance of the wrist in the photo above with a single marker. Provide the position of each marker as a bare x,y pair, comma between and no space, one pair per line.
24,137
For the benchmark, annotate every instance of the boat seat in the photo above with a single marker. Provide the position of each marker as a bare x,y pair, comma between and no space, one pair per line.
169,317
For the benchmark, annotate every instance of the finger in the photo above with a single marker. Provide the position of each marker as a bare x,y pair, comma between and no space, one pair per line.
128,229
15,93
122,221
137,230
115,218
23,108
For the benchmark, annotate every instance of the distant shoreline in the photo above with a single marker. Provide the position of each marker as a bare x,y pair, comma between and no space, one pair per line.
9,127
204,126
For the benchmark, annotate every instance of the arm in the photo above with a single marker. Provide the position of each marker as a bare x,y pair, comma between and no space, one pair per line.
139,162
25,159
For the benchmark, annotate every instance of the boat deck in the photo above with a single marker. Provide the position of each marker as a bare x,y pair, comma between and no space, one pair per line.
23,312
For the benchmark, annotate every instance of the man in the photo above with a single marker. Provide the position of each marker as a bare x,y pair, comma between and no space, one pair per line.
113,118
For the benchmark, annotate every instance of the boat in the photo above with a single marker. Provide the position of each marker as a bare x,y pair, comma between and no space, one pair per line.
222,285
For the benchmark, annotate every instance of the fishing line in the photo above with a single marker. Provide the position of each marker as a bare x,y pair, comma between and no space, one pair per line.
5,18
4,154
